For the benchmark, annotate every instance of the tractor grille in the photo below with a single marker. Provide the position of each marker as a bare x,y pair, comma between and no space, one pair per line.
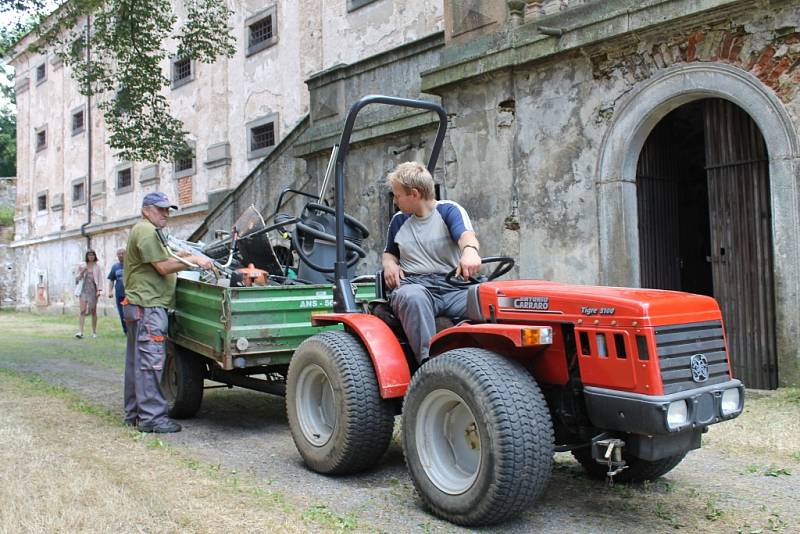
676,346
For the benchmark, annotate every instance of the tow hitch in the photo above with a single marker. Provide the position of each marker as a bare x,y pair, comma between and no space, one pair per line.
608,452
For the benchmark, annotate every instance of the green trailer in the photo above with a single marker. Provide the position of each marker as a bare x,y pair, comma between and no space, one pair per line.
239,336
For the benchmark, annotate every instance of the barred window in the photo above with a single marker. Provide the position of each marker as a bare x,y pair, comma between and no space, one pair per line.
78,192
262,136
261,31
77,122
183,164
124,179
41,139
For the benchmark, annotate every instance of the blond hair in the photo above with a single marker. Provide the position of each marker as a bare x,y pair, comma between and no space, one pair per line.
413,175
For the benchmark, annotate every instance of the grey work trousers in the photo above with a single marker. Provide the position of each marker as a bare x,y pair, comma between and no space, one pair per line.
144,364
417,303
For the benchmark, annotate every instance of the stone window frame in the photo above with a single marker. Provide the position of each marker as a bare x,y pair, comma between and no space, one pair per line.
255,123
353,5
188,171
75,111
37,133
118,170
41,68
272,12
78,181
175,83
41,196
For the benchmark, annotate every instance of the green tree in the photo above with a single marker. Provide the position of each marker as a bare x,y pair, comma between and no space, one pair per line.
119,61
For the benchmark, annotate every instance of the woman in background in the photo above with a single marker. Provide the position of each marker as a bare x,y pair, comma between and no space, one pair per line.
92,277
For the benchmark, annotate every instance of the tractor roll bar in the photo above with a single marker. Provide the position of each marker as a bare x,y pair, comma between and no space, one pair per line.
344,300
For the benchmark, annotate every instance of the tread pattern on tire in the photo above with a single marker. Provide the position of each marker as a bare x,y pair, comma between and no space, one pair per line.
190,369
523,435
368,419
638,470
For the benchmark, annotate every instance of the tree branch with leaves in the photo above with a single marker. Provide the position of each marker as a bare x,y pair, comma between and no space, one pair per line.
128,45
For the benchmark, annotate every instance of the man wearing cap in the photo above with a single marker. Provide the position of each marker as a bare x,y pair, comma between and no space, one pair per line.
149,279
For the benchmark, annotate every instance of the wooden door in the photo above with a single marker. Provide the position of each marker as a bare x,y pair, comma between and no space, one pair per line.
741,240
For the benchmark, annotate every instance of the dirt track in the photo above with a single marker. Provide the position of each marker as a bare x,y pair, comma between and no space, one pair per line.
246,432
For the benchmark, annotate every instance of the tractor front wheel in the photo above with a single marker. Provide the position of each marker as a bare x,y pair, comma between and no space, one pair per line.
477,437
339,422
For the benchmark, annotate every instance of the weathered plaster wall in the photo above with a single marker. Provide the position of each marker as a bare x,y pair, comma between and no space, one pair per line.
44,274
8,292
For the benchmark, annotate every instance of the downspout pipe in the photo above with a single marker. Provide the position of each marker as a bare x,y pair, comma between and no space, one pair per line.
88,139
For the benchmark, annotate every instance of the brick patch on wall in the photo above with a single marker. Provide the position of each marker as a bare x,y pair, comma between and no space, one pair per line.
185,190
776,64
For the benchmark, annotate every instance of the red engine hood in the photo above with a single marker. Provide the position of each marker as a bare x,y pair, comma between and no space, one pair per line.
540,300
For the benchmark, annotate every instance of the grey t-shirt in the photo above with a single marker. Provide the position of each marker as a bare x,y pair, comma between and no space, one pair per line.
429,244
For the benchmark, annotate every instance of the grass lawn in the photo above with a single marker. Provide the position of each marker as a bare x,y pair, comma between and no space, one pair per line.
25,336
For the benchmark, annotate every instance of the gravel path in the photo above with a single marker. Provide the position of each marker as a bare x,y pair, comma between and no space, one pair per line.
247,432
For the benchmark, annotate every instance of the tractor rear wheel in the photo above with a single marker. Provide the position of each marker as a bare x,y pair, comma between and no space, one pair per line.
638,470
477,437
339,422
182,381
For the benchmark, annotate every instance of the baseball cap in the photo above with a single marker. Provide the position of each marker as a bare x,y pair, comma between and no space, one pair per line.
157,199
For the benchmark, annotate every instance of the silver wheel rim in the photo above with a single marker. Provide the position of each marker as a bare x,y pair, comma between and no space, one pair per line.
316,411
448,442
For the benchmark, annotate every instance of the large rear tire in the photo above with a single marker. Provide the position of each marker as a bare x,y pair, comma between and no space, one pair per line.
477,437
182,381
339,422
638,470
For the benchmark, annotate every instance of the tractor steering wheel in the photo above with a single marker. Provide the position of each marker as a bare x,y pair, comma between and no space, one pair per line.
504,264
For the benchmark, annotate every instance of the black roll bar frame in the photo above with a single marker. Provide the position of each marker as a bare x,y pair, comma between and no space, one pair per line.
344,300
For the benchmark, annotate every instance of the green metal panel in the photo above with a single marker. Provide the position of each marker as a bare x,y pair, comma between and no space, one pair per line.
273,320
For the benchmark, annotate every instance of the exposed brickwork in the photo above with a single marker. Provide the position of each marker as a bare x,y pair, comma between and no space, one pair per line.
185,190
774,59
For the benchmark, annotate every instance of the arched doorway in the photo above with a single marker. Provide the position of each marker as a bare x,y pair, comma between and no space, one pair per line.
705,224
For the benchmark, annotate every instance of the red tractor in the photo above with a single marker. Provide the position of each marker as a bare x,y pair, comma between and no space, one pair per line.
626,379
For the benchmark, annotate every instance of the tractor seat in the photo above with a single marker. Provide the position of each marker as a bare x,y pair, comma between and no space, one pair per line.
381,309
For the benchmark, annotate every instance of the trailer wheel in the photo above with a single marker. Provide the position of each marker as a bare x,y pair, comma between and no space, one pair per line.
339,422
182,381
477,437
638,470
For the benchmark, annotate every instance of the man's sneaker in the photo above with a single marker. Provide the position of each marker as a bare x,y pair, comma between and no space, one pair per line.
79,335
166,427
94,335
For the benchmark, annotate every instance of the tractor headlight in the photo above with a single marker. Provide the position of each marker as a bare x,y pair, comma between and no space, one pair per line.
730,401
677,414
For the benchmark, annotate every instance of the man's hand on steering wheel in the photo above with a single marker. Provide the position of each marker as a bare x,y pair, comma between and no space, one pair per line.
470,263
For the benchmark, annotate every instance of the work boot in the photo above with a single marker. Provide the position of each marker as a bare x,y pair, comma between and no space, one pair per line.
167,427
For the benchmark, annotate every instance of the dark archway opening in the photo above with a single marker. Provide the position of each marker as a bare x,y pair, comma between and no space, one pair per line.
672,191
705,224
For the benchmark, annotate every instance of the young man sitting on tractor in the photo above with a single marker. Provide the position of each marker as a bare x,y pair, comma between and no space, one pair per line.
427,239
